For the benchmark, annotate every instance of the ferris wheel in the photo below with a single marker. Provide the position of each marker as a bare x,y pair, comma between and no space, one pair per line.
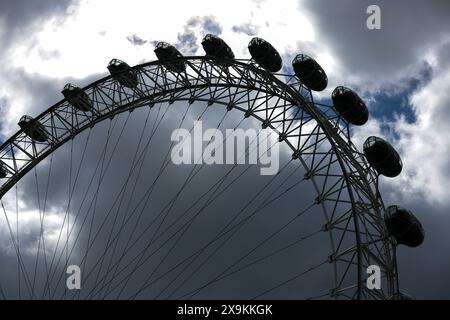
95,171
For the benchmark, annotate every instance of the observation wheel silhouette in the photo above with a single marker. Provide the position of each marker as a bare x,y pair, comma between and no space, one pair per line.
144,245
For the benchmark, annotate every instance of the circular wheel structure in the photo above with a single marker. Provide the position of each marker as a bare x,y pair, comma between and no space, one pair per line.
343,186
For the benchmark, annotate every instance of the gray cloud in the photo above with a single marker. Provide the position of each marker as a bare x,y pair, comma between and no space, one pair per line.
196,27
246,28
136,40
21,16
48,55
208,24
187,42
408,30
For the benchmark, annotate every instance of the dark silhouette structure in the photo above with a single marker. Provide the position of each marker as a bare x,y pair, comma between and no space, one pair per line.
382,157
122,73
404,227
265,54
310,72
350,106
33,128
171,57
77,97
215,47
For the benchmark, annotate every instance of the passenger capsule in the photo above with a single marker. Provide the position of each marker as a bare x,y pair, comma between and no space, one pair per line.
382,157
403,226
33,129
265,54
77,97
310,72
216,47
3,170
168,53
350,106
122,73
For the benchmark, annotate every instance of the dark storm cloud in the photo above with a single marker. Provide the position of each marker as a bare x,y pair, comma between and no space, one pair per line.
21,16
288,263
424,270
408,30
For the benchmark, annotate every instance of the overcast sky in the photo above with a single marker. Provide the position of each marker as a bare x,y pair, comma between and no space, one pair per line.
402,71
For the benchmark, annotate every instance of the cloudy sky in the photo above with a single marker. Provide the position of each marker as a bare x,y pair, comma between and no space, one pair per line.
402,71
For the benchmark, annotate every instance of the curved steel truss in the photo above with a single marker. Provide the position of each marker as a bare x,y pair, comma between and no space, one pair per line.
346,187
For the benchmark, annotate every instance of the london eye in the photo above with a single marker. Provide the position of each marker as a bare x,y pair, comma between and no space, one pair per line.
141,227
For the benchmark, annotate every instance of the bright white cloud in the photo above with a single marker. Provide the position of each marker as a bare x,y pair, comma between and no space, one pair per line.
29,226
426,143
93,32
97,32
